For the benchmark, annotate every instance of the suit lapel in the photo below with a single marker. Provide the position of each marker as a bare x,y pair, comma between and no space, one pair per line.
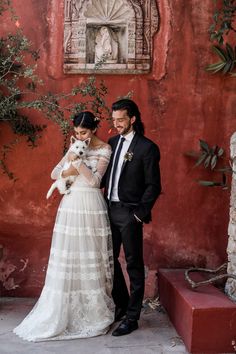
130,149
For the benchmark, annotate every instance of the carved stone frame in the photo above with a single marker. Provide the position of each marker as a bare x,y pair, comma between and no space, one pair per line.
135,25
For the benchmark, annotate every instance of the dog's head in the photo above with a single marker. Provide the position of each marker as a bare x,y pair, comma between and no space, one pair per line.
78,147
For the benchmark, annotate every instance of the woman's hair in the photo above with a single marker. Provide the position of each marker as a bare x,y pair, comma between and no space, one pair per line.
86,120
132,110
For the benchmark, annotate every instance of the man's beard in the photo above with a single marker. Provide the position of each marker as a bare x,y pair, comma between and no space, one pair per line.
127,129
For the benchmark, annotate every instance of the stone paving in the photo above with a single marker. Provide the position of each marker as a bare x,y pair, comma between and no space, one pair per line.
155,335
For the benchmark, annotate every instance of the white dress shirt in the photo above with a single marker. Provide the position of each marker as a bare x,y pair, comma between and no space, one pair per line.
126,144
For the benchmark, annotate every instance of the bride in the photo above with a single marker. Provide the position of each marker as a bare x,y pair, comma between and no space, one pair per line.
76,299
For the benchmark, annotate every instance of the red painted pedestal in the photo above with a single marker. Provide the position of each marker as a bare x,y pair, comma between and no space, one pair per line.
205,318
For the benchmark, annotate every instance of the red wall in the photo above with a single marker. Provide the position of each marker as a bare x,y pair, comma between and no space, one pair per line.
180,103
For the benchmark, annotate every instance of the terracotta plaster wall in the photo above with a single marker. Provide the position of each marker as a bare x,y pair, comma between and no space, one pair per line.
180,103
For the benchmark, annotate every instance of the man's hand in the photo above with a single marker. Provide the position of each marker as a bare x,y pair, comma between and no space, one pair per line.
71,171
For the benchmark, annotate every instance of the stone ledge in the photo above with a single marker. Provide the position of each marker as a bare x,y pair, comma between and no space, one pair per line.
205,318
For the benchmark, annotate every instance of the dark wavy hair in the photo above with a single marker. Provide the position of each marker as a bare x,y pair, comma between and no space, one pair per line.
132,110
86,120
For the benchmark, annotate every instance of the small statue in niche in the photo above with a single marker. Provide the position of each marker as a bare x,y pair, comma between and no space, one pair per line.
106,46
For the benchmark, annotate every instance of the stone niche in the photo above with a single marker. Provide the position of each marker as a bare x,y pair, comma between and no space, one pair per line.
109,36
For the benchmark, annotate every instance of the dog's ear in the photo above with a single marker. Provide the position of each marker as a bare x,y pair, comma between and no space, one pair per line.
72,139
87,141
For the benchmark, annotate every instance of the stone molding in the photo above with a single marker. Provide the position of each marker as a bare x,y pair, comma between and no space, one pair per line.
230,287
129,26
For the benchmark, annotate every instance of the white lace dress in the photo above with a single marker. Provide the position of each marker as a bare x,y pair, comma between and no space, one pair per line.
76,299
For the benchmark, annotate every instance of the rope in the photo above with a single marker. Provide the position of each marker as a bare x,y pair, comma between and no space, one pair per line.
194,284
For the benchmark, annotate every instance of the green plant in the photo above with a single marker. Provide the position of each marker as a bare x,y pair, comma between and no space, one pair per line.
19,92
227,63
223,20
13,73
213,159
222,26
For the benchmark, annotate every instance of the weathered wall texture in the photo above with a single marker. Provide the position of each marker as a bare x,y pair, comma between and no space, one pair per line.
180,103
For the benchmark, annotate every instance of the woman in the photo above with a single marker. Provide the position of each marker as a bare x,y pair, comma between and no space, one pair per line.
76,299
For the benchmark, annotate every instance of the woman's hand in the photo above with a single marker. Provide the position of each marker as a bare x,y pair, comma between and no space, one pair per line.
71,156
71,171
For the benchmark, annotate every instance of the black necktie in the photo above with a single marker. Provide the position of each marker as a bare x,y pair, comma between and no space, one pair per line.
112,178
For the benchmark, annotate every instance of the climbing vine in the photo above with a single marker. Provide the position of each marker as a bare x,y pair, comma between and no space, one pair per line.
19,91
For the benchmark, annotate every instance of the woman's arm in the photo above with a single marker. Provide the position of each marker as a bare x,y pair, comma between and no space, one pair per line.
94,177
58,171
71,171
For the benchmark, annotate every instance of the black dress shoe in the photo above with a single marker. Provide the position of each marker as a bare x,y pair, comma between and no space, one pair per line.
119,314
127,326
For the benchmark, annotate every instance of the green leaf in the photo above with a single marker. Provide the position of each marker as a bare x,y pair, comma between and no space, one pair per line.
204,146
201,159
209,183
213,161
213,149
227,67
215,16
219,68
212,28
226,169
220,52
220,152
207,161
230,51
215,67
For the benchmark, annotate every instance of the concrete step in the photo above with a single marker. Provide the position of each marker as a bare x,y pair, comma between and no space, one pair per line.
156,335
205,318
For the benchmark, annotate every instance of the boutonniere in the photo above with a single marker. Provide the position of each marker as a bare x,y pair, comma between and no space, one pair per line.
128,156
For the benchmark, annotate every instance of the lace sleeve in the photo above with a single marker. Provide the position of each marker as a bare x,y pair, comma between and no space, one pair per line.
94,175
56,172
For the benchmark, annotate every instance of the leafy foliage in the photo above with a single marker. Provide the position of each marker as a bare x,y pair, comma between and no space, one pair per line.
19,92
212,158
13,71
5,5
227,55
223,24
223,20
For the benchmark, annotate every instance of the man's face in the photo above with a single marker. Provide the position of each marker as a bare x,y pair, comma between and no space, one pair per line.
122,122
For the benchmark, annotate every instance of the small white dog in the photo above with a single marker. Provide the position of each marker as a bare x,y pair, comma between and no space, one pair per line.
78,147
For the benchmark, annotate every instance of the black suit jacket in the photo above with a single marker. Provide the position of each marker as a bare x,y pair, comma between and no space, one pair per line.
139,183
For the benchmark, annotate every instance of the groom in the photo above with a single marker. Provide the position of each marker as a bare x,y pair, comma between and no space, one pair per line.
132,187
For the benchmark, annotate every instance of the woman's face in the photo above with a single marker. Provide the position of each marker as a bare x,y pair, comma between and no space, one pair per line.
83,133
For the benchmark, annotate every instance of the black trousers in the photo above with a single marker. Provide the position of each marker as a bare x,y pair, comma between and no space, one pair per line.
129,232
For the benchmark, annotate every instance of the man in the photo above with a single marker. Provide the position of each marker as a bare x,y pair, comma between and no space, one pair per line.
132,185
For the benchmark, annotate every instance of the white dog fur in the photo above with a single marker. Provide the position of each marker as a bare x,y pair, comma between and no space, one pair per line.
77,147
